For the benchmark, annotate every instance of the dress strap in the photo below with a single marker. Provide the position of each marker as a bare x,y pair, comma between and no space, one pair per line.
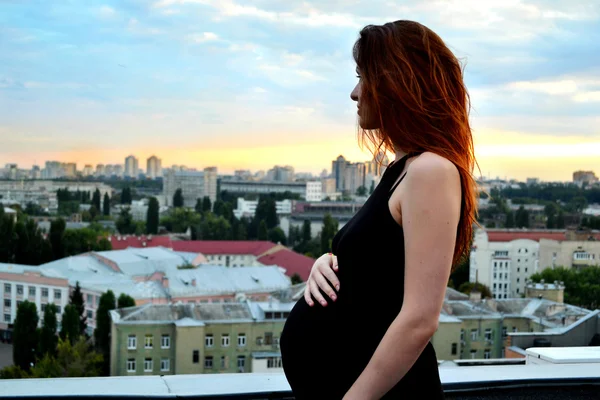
402,161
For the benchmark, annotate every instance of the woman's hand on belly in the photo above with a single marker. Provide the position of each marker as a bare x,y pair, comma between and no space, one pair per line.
322,277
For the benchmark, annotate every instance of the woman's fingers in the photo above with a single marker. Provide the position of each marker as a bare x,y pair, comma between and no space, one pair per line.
314,290
325,286
307,297
331,277
334,263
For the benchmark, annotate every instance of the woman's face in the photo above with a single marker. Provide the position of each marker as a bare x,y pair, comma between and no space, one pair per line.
366,119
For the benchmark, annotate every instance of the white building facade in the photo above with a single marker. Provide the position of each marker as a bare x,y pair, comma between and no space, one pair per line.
247,208
314,191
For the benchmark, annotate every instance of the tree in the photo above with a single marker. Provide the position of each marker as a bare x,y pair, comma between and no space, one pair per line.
582,286
76,300
276,235
102,333
94,212
125,223
8,238
468,287
330,227
263,233
96,199
180,219
266,210
460,275
206,205
551,222
213,228
219,208
306,231
510,220
25,335
106,205
48,337
29,246
72,360
296,279
125,301
361,191
522,218
198,206
152,217
560,220
70,324
57,231
178,199
126,197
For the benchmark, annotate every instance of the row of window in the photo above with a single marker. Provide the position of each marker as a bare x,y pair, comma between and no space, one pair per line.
165,342
165,365
488,335
209,361
209,340
500,264
519,269
500,286
499,276
32,290
8,304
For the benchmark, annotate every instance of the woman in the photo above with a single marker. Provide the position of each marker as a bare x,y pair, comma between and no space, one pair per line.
363,329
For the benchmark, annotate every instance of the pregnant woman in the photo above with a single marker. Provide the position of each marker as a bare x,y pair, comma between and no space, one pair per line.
363,329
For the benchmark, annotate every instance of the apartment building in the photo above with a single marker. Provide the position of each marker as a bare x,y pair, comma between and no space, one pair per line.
197,338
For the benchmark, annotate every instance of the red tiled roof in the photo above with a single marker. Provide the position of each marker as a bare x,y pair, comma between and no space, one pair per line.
143,241
255,248
507,236
293,262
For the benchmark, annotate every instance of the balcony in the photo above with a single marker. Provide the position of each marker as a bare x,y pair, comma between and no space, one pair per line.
514,382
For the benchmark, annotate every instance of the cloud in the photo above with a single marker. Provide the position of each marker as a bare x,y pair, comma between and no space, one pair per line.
203,37
106,11
134,26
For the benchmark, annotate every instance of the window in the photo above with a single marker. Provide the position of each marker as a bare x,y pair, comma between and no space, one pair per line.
209,341
6,317
488,334
58,310
495,264
506,275
494,286
517,290
90,314
165,342
57,293
268,338
19,302
504,329
462,335
7,303
223,362
165,364
208,362
454,348
20,289
501,253
132,342
242,339
515,329
148,341
131,365
32,290
505,296
89,299
519,260
7,288
526,250
241,363
506,286
518,269
494,275
44,292
225,340
259,341
274,362
525,269
474,334
148,365
473,354
487,354
196,356
44,307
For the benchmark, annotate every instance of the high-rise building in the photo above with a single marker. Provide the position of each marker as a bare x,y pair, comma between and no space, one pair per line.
53,170
131,166
36,172
69,170
584,177
118,170
193,184
100,170
153,167
338,166
109,170
88,170
354,177
281,174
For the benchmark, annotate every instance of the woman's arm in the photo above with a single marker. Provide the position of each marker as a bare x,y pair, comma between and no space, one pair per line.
430,204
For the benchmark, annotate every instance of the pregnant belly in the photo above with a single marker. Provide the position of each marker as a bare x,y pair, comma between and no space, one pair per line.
312,348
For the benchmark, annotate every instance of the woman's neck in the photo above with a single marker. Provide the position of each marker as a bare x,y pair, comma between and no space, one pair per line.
399,154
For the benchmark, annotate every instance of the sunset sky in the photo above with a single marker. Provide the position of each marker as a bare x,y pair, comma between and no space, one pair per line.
250,84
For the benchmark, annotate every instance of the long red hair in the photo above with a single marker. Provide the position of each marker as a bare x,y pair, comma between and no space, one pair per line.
414,85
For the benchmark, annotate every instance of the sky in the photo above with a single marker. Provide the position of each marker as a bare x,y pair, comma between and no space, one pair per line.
252,84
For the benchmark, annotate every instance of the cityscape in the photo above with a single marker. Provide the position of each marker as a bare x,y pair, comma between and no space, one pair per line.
172,169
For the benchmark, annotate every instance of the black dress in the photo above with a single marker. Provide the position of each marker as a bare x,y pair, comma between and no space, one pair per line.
325,349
